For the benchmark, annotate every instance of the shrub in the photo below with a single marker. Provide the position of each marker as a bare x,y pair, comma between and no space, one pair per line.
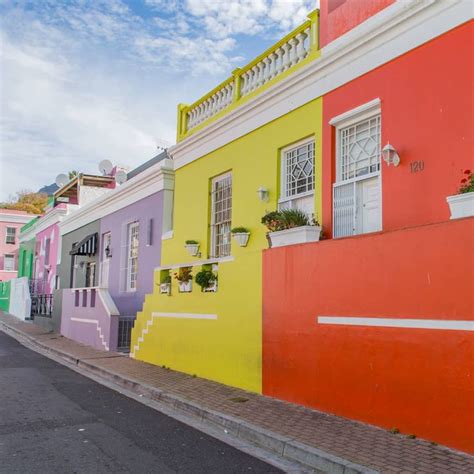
240,230
287,219
184,274
205,278
191,242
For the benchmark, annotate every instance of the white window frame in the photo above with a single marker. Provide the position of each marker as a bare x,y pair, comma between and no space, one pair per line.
7,235
11,257
347,119
131,277
214,251
290,201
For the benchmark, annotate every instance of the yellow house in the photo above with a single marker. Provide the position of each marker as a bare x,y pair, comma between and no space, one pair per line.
249,146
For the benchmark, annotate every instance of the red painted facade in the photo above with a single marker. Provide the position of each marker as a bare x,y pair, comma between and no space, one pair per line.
418,380
420,266
340,16
425,116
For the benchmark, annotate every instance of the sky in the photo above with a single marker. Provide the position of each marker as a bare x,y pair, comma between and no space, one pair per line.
87,80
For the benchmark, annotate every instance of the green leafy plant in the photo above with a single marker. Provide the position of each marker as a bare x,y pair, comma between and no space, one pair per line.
205,278
240,230
287,219
467,182
184,274
272,221
192,242
166,279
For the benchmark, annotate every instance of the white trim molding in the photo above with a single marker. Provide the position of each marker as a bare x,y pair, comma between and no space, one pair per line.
196,263
443,324
16,218
183,315
159,177
358,113
392,32
52,217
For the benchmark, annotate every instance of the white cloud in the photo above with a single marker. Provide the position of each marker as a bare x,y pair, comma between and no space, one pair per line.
84,80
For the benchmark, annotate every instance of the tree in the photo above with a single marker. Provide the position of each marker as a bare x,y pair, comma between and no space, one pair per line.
28,201
72,174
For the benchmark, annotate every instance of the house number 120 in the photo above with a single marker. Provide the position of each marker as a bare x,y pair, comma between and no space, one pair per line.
417,166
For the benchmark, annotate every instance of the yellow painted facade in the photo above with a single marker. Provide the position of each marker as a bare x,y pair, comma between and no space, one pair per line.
219,335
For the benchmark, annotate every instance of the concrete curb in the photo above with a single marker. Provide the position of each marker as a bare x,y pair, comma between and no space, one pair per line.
282,446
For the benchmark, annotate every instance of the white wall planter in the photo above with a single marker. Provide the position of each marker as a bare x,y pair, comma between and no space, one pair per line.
193,249
185,286
296,235
211,289
461,205
165,288
242,238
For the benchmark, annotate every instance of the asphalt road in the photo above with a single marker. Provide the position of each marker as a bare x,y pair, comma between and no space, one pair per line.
54,420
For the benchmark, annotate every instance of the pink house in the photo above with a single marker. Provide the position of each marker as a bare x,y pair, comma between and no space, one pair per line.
10,223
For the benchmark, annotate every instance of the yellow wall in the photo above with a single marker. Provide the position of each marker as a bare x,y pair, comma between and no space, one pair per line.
228,349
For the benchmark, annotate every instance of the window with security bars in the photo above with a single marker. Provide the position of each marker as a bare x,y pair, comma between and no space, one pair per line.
359,149
10,237
221,215
297,177
132,256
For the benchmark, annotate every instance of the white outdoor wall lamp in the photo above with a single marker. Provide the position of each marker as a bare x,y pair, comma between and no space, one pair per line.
390,155
263,194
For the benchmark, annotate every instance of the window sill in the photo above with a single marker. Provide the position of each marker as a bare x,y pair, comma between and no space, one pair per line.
196,263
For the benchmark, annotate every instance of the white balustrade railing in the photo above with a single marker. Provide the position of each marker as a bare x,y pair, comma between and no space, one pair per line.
210,106
287,53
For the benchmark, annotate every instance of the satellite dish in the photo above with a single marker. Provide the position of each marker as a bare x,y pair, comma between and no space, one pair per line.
61,180
105,167
120,176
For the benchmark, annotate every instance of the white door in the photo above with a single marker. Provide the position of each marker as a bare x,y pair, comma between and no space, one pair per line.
369,208
105,260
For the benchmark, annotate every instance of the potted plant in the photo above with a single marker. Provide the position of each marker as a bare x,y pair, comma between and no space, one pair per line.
241,235
193,247
462,203
291,226
165,285
185,279
207,280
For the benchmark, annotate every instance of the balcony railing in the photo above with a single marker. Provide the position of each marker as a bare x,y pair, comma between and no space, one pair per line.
295,48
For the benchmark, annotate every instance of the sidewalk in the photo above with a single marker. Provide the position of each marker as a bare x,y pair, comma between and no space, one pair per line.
315,439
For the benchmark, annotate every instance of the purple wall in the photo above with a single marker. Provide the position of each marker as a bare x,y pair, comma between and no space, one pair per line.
149,256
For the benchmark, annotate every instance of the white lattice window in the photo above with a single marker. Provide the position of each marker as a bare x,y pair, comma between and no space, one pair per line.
9,263
132,256
297,177
221,215
359,149
10,236
356,193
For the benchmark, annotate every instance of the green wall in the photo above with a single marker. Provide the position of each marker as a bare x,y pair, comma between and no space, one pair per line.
4,295
26,254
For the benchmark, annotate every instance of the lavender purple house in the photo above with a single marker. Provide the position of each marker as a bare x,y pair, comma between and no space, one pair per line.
116,242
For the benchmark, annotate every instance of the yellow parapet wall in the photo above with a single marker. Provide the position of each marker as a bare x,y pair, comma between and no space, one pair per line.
219,335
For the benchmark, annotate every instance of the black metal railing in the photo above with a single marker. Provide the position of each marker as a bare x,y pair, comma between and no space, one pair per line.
125,333
42,305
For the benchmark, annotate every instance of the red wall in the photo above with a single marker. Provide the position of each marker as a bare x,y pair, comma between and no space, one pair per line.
418,380
339,16
427,114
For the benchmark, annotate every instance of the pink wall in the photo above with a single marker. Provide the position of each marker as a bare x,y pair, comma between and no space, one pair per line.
11,248
52,233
